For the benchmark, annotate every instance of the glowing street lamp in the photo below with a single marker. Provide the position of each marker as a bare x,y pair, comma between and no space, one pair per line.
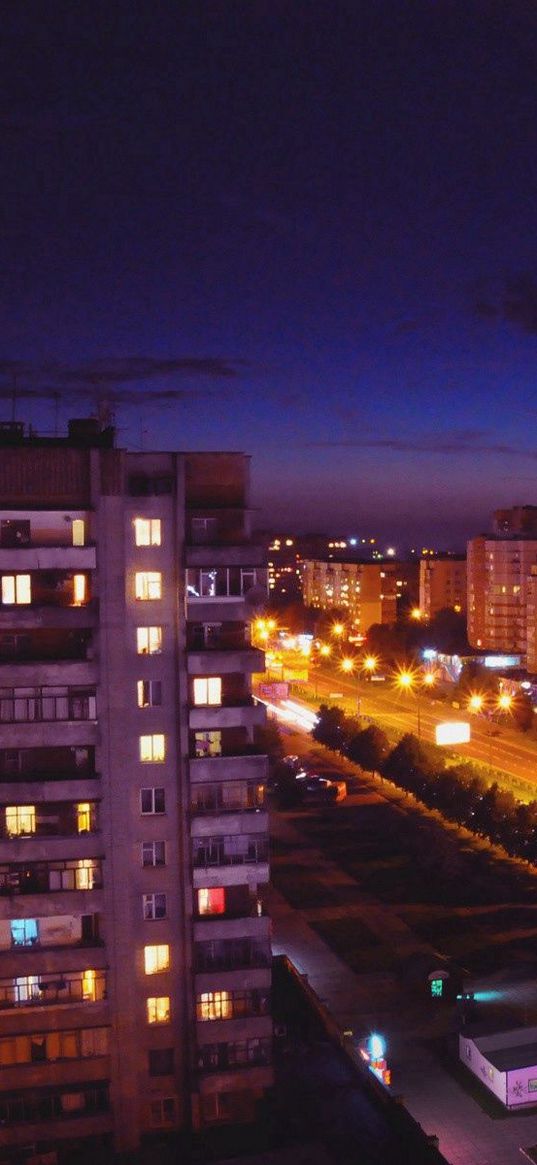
476,702
370,664
505,702
325,650
416,613
337,630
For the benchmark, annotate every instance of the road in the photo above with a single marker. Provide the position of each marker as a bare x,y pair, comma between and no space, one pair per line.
509,752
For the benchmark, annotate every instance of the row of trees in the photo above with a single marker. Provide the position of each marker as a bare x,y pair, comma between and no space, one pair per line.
459,791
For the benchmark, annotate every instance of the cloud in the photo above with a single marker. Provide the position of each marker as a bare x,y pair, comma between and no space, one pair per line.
456,442
111,376
514,301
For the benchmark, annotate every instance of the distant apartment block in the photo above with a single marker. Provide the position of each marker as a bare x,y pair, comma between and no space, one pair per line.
135,965
499,570
367,591
442,584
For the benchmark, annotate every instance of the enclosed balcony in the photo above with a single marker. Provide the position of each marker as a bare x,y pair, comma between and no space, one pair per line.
45,765
52,819
20,878
231,954
51,990
248,1053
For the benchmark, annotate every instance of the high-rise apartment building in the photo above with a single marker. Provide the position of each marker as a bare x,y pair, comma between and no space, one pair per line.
442,584
134,951
498,573
367,591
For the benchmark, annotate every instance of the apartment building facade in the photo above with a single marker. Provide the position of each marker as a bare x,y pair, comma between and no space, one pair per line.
368,592
134,951
499,570
442,584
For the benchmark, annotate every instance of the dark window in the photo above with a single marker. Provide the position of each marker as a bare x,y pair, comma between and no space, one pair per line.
14,533
161,1062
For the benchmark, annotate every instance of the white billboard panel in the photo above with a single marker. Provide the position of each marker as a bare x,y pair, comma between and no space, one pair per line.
452,732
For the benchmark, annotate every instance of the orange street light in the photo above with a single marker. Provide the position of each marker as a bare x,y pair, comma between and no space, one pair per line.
416,613
505,701
337,629
370,664
476,702
347,665
325,649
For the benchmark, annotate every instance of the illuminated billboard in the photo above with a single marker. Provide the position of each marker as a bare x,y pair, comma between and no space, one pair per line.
452,732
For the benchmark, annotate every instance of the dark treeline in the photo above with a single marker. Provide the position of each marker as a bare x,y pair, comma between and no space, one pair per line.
459,792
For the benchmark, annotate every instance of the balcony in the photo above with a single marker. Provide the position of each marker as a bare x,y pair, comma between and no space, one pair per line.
243,766
41,614
229,850
215,661
224,1056
231,955
50,877
25,559
247,714
223,555
52,990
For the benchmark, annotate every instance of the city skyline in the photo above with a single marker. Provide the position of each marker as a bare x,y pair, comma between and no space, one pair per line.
314,225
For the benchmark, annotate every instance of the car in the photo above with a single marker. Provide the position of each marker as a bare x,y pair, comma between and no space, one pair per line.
337,781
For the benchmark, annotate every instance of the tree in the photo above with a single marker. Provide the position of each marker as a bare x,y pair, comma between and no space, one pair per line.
412,764
369,748
447,632
268,739
330,727
522,712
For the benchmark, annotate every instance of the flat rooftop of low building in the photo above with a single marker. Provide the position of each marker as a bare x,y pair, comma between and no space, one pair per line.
506,1050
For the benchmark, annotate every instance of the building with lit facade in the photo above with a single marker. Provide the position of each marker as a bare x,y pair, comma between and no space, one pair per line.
134,951
366,592
499,570
442,584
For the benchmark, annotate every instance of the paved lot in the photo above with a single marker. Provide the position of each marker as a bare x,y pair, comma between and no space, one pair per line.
467,1134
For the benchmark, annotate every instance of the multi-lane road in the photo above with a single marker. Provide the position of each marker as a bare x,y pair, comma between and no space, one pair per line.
510,751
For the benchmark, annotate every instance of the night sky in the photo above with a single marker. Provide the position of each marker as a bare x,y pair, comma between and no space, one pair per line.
303,229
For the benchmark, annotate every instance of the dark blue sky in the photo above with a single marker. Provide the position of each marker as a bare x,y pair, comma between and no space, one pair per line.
314,220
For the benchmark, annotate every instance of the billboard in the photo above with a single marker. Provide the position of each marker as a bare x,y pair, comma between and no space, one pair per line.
452,732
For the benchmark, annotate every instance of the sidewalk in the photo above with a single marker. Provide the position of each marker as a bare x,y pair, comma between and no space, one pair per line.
468,1136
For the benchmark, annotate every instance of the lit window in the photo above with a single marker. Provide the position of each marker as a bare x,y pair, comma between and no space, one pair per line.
149,693
79,589
148,584
158,1009
24,932
20,820
156,958
83,817
153,853
85,874
147,531
89,985
26,988
152,748
152,801
154,906
79,533
207,744
214,1005
148,640
16,588
208,690
211,900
